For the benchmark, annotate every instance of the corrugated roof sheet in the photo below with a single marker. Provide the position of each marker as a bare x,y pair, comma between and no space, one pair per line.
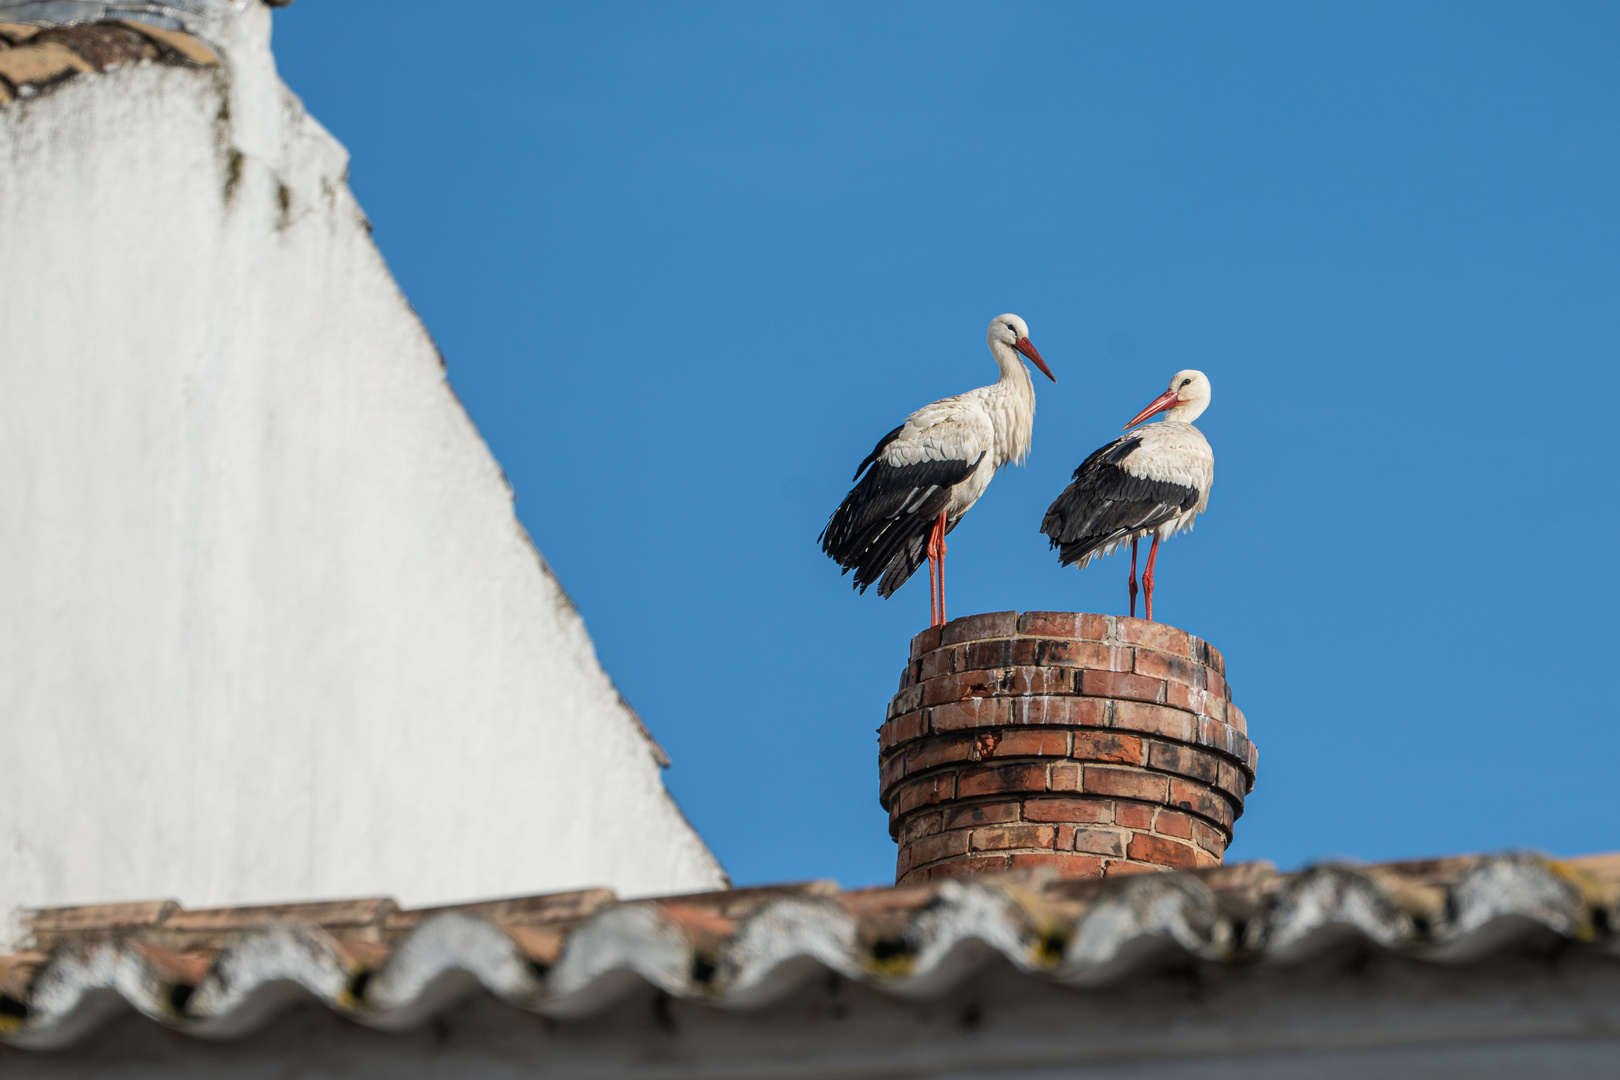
224,972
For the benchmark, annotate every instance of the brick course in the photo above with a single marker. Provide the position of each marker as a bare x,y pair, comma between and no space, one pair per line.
1090,744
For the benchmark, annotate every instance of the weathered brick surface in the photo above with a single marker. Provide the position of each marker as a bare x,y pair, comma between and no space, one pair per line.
970,713
1119,685
1002,837
974,815
1091,744
1154,720
1108,746
1097,811
1162,852
1002,778
994,624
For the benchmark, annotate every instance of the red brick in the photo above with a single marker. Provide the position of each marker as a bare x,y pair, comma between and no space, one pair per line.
1059,624
1065,777
1232,780
914,877
1118,685
1123,867
1215,683
1096,811
1095,655
939,846
1094,841
1210,839
927,641
987,863
950,688
1154,720
1208,655
1066,865
1162,665
918,826
891,771
1052,709
1148,848
1171,823
1194,700
1184,761
907,700
902,862
1134,815
999,778
977,814
924,791
1107,746
1064,624
1002,837
1205,859
992,624
1214,734
1235,717
1036,680
1194,797
1005,652
935,751
1155,635
935,664
900,729
973,713
1019,742
1124,783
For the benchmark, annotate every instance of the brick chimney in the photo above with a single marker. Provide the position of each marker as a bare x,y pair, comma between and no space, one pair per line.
1091,744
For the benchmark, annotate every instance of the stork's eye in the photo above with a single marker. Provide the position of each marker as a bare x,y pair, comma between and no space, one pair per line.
1184,384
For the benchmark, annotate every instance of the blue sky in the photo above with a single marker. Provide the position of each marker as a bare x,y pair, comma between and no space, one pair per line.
687,263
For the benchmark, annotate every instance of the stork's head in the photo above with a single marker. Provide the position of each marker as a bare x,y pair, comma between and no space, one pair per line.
1012,332
1186,399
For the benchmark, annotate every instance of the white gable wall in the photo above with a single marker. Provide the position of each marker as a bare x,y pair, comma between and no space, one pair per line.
270,628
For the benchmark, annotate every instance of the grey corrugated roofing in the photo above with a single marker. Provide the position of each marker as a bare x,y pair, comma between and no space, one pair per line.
223,973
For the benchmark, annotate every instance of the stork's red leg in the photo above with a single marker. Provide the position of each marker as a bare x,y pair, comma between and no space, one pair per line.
936,572
1147,576
1131,581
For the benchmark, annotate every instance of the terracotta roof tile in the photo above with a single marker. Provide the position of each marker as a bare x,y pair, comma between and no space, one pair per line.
13,33
569,955
33,59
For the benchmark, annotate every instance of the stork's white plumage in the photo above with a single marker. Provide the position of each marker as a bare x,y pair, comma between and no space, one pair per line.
925,474
1149,482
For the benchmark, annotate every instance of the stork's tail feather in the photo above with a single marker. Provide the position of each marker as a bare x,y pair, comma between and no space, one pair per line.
881,529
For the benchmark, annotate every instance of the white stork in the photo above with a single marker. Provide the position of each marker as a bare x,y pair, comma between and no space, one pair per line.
925,474
1152,481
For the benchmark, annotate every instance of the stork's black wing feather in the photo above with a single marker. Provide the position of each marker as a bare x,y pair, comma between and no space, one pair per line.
881,529
1104,504
883,444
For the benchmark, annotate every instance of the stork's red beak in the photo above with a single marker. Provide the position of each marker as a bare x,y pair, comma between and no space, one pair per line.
1166,400
1027,347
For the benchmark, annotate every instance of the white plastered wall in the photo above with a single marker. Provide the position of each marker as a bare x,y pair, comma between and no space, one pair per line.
270,628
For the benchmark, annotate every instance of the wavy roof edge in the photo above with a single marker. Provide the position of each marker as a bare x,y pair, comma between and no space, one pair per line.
205,18
222,973
35,60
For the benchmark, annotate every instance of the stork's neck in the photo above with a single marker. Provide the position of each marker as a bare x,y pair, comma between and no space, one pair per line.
1011,401
1188,411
